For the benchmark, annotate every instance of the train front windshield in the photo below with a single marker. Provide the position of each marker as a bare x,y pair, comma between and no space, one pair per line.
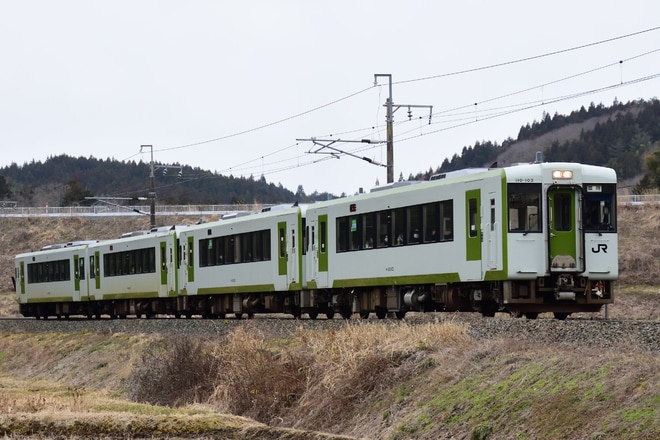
600,208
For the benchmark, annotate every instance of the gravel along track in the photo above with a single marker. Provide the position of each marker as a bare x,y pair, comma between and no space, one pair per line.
627,334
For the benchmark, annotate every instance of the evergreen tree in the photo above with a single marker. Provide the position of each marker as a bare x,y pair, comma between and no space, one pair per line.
75,195
5,191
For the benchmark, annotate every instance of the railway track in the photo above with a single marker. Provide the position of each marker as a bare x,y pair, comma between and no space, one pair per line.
632,335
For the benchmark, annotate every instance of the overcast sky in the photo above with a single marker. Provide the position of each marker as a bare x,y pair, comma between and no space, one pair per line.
229,86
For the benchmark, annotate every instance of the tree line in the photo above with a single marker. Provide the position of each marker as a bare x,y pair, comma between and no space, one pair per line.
628,140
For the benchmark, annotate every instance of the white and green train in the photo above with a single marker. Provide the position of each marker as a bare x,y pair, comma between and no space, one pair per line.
526,239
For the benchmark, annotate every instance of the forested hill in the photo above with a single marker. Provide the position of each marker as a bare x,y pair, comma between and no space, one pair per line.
625,137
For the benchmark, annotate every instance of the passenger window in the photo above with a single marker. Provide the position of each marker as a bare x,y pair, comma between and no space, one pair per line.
524,207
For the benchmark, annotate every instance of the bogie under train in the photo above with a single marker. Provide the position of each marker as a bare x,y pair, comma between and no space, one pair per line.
526,239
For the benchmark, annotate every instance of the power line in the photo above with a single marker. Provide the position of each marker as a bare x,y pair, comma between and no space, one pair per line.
482,117
535,57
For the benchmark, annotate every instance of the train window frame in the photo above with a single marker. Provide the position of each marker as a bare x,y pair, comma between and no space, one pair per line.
599,208
49,271
384,228
131,262
562,214
399,226
473,213
414,227
447,220
524,200
370,230
431,216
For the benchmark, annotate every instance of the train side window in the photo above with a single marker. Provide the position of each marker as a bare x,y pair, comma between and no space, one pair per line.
472,213
524,207
492,214
322,237
81,268
248,251
369,221
282,242
266,244
431,229
355,239
399,226
414,224
342,234
447,223
205,248
219,255
305,244
384,228
228,250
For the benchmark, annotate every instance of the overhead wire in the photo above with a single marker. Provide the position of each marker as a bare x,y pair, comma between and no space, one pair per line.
376,128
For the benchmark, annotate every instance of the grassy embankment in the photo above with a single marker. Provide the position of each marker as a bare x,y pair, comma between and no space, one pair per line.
362,380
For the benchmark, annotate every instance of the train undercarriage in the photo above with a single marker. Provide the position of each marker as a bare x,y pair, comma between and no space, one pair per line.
560,295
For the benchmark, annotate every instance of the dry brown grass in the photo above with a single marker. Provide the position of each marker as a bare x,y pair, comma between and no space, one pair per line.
393,381
639,244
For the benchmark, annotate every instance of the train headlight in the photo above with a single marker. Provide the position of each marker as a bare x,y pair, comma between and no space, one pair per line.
562,174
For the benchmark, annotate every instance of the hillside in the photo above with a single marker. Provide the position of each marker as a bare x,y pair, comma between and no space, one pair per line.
618,136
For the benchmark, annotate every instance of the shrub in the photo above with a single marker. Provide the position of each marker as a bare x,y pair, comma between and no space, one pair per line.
174,372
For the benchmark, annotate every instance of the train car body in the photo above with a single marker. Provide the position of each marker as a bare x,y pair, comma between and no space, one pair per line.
516,239
134,275
525,239
127,276
242,265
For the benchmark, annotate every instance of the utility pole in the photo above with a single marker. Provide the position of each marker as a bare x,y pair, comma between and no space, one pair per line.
152,183
152,186
389,119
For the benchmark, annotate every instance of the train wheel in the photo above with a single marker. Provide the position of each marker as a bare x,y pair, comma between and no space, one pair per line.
381,314
313,315
346,313
400,315
238,315
330,314
531,315
364,315
561,315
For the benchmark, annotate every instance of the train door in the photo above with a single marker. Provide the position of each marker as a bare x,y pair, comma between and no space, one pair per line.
473,235
95,276
21,279
294,253
312,258
80,277
491,234
167,268
564,242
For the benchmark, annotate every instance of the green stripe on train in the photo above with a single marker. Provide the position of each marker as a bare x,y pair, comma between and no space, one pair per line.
237,289
398,281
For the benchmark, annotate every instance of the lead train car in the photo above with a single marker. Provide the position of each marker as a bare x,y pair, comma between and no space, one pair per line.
525,239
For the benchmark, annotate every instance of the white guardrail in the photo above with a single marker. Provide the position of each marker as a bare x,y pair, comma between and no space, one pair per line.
110,211
199,210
